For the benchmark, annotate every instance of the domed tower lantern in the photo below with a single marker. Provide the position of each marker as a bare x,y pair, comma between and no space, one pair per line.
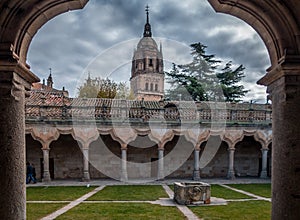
147,71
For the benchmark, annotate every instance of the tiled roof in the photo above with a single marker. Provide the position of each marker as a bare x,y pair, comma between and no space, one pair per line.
54,105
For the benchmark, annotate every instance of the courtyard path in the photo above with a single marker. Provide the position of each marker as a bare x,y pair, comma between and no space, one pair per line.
184,209
246,193
72,204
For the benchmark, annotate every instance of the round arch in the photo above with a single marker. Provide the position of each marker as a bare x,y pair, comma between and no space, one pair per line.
277,22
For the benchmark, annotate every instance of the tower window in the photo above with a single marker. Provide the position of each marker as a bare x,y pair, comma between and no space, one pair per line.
156,87
147,86
150,62
151,87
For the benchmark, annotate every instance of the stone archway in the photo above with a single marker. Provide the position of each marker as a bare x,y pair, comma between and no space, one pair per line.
278,24
19,22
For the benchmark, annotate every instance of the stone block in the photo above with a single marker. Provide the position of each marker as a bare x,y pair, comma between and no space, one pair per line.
188,193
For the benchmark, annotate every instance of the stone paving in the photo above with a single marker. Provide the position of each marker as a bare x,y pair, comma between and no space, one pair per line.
108,182
162,201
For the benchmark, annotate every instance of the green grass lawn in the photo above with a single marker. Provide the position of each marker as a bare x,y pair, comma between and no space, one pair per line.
221,192
111,211
130,192
37,211
56,193
235,211
257,189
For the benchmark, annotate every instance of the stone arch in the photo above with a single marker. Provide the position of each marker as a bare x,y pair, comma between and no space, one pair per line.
34,154
45,135
66,167
16,34
247,157
214,159
277,22
179,149
104,157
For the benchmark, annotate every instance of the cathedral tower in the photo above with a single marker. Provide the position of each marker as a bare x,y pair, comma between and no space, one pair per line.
147,71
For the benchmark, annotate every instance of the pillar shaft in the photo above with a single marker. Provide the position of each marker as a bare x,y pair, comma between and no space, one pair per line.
124,175
12,147
263,173
196,173
86,172
160,170
231,174
46,175
285,95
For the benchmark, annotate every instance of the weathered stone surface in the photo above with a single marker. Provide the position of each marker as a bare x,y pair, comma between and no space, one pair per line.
188,193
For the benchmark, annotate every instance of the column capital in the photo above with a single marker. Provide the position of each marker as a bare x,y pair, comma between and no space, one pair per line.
160,149
46,148
288,65
124,147
18,73
231,149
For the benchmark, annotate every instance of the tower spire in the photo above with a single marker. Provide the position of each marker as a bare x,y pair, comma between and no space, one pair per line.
147,29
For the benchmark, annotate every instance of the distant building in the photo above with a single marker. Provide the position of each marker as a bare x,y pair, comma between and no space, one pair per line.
42,87
147,72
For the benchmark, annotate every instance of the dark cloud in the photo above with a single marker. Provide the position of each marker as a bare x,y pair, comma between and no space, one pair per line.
71,41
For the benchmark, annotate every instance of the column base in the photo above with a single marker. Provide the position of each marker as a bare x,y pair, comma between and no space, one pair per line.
124,179
231,175
86,177
46,178
196,175
263,174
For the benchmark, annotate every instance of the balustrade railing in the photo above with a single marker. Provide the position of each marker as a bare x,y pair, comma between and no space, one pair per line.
263,114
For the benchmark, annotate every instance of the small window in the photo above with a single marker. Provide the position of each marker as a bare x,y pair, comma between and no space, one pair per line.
147,86
150,62
156,87
151,87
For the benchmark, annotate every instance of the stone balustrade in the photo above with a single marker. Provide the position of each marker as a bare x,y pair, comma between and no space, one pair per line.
59,108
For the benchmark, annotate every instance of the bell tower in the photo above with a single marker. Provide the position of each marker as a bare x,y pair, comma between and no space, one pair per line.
147,71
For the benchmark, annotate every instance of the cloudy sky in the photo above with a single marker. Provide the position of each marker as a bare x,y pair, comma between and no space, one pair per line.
100,39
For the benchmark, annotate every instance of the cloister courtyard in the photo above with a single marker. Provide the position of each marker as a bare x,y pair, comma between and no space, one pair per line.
239,199
278,25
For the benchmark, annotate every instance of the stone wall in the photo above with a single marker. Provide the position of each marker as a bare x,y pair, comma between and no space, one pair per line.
34,154
105,155
247,157
67,156
218,167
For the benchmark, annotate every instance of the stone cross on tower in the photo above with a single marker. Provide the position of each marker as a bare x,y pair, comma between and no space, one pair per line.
147,29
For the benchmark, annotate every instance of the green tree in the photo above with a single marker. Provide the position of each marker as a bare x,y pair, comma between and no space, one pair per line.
107,88
201,80
229,80
124,92
89,89
104,88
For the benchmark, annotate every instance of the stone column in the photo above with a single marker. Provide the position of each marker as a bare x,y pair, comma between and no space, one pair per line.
231,174
46,175
124,175
12,141
160,167
263,173
284,87
86,172
196,173
285,95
